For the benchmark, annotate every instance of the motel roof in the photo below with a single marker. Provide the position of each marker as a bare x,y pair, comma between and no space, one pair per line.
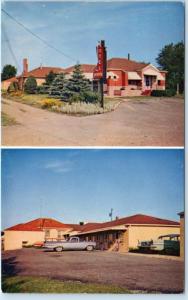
138,219
42,72
125,64
48,223
114,63
86,68
40,224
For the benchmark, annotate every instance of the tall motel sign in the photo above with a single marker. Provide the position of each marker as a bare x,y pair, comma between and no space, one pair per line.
99,73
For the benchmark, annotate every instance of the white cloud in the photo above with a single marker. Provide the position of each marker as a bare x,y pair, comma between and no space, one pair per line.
59,166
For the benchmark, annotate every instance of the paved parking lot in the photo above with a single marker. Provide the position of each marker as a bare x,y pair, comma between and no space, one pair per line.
135,272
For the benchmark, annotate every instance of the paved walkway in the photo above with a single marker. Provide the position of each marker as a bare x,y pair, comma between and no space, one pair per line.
147,122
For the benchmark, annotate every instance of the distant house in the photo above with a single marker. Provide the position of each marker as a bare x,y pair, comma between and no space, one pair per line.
120,235
39,74
125,77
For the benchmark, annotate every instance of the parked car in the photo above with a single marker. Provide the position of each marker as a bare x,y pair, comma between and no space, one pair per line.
168,244
74,243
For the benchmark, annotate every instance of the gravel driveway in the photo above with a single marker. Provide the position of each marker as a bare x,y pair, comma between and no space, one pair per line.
135,272
146,122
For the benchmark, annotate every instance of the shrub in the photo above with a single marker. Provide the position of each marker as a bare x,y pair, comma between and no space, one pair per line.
42,89
30,85
90,97
87,97
163,93
76,98
170,92
49,103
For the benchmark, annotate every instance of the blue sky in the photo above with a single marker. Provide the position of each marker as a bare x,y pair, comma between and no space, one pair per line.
83,185
138,28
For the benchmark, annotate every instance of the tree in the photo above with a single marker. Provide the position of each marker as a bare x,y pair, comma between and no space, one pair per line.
50,77
9,71
171,59
77,84
13,87
57,86
30,85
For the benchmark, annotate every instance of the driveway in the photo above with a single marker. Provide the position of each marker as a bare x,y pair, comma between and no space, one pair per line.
135,272
147,122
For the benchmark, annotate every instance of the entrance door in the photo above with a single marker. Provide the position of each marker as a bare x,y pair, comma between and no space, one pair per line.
148,82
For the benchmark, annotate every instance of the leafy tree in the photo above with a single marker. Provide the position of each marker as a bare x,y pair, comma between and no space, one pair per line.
77,84
30,85
9,71
171,59
50,77
57,86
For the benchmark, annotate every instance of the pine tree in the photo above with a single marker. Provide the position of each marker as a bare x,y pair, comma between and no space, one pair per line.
57,86
77,84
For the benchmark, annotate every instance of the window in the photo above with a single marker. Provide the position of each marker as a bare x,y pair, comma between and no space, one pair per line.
74,240
115,77
159,82
109,77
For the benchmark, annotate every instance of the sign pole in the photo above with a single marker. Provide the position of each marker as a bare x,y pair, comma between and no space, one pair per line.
101,92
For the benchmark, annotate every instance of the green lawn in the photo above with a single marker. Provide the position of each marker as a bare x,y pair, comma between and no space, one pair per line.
31,284
6,120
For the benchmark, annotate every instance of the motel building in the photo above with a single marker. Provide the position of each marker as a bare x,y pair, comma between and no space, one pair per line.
125,77
119,235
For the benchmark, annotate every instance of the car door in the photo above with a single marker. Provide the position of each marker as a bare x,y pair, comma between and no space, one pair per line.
74,244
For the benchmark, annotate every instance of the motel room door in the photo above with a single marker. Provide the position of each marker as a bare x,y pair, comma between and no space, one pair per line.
148,82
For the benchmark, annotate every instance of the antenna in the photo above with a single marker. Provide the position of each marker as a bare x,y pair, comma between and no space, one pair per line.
110,214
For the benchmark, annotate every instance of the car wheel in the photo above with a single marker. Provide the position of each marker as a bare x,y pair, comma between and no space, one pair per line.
58,249
89,248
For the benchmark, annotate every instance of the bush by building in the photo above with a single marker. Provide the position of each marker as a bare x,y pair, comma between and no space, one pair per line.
163,93
30,86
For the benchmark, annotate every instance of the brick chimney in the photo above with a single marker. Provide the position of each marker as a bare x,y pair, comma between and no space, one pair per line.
25,65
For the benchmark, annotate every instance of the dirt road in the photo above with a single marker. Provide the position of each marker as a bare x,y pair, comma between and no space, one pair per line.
131,271
147,122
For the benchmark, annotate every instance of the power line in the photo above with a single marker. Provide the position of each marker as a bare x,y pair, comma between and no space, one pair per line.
10,48
38,37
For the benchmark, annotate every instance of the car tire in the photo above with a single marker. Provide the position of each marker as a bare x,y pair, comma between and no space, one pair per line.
58,249
89,248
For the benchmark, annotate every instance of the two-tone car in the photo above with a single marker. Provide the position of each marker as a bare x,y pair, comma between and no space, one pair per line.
74,243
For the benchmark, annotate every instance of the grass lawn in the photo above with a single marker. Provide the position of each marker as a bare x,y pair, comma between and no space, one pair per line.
6,120
76,109
31,284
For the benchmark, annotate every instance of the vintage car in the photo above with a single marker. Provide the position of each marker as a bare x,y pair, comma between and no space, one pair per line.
168,244
74,243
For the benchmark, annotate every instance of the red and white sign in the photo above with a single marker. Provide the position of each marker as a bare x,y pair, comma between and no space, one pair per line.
99,69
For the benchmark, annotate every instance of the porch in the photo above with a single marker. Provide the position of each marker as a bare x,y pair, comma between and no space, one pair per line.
109,239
